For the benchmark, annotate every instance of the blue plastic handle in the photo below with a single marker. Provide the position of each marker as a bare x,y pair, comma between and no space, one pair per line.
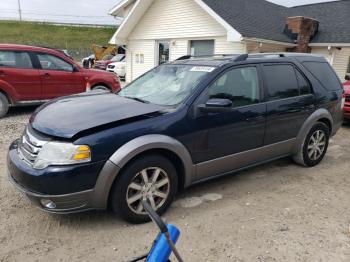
161,251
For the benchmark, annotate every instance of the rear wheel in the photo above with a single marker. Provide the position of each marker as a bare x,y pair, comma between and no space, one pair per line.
152,178
4,105
315,146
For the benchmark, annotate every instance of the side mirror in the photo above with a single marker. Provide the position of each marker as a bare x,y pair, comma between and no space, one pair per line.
75,68
216,105
347,77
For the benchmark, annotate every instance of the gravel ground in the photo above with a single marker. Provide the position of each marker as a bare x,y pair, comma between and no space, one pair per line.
275,212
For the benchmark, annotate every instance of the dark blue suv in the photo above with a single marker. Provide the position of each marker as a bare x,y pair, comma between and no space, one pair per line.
181,123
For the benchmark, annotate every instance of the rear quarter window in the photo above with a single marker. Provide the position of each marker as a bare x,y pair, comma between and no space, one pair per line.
323,72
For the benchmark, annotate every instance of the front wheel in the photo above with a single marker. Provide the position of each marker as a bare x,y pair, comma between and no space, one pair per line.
315,146
152,178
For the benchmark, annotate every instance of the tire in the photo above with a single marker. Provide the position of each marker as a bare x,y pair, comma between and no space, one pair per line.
131,186
100,87
4,105
315,146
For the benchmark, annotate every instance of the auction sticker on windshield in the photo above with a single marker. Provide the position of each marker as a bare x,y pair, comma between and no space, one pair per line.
202,69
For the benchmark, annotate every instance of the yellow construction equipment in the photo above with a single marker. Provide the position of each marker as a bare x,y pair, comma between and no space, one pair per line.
102,51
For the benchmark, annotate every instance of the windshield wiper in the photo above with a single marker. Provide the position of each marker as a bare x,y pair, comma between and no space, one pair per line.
138,99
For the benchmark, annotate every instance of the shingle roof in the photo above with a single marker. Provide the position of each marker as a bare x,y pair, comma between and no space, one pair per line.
334,18
265,20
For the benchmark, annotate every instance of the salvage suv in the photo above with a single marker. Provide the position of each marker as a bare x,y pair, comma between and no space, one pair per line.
33,75
181,123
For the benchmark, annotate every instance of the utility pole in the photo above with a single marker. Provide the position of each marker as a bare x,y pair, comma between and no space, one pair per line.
19,10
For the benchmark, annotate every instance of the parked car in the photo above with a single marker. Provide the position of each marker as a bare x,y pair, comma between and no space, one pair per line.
119,68
33,75
102,64
346,86
88,62
181,123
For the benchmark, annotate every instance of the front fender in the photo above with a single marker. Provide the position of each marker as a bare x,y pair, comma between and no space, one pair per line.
10,91
148,142
130,150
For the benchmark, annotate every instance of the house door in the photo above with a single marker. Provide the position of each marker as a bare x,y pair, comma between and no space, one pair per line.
163,52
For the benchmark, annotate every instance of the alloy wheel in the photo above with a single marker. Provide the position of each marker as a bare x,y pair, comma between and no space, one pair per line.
151,184
317,145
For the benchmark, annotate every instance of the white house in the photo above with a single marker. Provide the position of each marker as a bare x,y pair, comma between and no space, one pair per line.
156,31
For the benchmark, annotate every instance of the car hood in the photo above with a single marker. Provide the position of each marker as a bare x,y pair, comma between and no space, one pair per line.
68,116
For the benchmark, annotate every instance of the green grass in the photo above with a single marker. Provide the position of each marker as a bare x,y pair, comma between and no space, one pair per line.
77,40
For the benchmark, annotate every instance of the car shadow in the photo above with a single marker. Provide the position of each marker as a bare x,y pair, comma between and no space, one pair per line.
22,110
244,181
346,124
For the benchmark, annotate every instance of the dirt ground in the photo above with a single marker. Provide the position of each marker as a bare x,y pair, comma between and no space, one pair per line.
275,212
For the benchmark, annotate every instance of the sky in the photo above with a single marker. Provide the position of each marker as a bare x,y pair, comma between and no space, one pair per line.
81,11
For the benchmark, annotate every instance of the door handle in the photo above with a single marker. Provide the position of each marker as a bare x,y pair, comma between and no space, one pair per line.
255,118
46,75
2,73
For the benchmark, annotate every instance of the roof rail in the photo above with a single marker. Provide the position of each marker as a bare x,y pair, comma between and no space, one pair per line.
203,56
240,58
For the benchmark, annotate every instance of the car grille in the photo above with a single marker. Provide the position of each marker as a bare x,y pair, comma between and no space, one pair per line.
347,98
29,147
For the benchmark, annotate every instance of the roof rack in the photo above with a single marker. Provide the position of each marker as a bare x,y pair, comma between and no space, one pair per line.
244,57
185,57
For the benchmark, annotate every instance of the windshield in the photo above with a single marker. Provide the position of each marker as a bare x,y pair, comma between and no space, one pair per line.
166,85
118,58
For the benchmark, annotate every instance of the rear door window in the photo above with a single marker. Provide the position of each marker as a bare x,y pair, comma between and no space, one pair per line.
50,62
324,74
15,59
281,81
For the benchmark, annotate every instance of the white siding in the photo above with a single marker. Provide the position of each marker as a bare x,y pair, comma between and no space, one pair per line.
169,19
222,46
254,47
145,47
341,62
339,59
322,51
178,48
179,22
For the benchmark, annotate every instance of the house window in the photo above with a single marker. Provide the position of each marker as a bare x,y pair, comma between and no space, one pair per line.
202,47
348,71
139,58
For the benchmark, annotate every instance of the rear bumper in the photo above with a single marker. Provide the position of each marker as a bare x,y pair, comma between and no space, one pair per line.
347,111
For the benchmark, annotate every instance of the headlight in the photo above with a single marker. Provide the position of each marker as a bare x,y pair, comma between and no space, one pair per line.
55,153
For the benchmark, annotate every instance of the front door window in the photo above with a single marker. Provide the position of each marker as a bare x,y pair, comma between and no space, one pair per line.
163,52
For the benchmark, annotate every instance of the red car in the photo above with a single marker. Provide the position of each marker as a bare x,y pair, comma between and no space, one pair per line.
33,75
102,64
347,100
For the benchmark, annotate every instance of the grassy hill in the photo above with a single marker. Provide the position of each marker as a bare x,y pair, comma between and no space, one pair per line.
76,39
